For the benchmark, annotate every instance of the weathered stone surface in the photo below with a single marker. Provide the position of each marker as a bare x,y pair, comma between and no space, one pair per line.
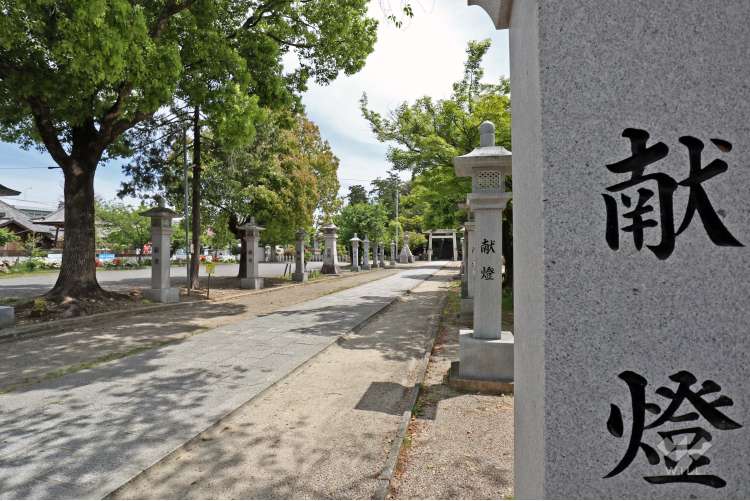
485,359
589,316
169,295
7,316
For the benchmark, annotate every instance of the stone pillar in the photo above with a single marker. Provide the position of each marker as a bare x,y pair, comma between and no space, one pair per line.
267,254
355,253
393,253
406,255
7,316
485,352
366,254
330,256
316,248
381,245
464,265
300,275
632,378
251,235
161,239
455,247
429,246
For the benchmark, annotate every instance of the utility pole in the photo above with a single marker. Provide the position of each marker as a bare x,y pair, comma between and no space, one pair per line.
187,201
398,194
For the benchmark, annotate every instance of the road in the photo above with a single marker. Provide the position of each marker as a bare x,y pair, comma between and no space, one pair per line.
37,284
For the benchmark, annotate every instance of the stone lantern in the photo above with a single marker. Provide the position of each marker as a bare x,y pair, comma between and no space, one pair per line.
355,252
486,352
300,275
406,256
330,256
161,240
251,235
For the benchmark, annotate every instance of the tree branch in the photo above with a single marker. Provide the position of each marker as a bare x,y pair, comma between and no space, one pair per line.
47,130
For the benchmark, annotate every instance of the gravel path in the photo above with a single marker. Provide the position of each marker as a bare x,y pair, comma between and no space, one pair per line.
459,446
323,432
30,360
85,434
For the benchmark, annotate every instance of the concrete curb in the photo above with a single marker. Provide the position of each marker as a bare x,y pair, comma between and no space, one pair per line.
45,328
386,476
359,326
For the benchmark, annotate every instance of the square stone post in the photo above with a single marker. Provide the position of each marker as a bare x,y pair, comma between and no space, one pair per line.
316,248
393,253
251,235
300,275
366,254
7,316
485,352
631,294
455,247
161,240
330,258
381,245
355,253
429,246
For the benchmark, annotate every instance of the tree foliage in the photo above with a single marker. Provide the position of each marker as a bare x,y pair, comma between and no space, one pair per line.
364,219
76,75
121,226
7,236
357,195
425,136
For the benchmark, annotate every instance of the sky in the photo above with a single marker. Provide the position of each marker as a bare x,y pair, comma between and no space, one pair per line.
422,57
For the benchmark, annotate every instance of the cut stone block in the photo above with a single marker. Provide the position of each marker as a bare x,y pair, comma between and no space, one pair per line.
251,283
485,359
7,316
170,295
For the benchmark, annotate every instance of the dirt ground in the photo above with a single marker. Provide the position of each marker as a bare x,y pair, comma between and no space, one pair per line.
458,446
28,360
323,432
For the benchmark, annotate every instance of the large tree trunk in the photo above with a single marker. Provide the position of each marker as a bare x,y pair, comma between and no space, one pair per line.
195,261
77,278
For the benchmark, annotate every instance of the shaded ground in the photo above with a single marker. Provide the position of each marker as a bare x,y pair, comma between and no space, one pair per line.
85,434
458,446
323,432
25,361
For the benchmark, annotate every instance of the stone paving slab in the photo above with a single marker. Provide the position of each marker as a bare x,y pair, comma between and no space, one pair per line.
83,435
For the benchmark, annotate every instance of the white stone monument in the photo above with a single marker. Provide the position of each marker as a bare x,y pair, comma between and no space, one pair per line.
355,253
406,256
251,235
393,253
631,238
485,352
7,316
300,275
366,254
381,245
330,256
161,239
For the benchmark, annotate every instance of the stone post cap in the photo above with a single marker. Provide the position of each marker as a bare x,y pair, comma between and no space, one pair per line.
251,226
355,238
366,239
329,229
487,134
160,213
485,157
301,234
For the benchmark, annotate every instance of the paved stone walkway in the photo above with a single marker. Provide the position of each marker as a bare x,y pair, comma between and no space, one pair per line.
83,435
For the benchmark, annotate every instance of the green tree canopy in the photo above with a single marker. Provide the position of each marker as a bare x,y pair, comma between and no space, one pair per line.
357,195
363,219
425,136
76,75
